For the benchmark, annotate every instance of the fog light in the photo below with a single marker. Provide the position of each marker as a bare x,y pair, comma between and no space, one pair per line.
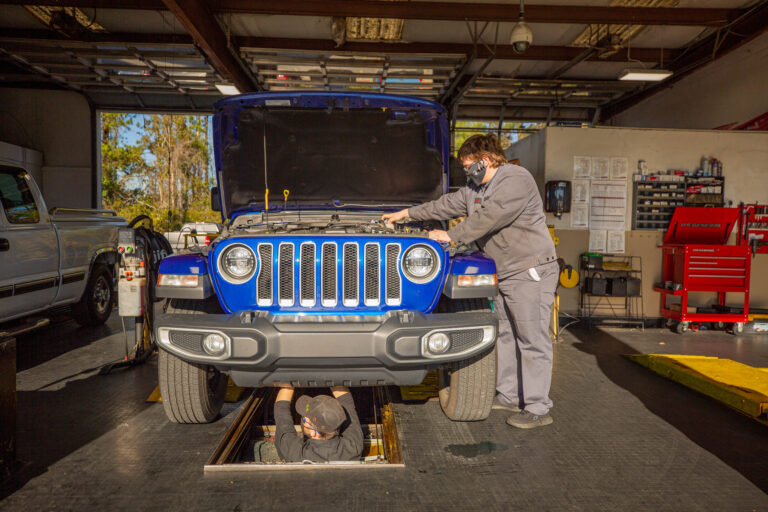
215,344
438,343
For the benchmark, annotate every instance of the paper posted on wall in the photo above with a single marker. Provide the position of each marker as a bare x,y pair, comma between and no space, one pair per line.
582,166
608,205
580,192
597,240
615,242
619,168
580,216
601,168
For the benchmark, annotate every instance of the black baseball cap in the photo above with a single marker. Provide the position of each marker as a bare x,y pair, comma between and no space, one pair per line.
325,412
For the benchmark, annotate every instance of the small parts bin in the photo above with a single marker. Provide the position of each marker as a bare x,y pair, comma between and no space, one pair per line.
697,259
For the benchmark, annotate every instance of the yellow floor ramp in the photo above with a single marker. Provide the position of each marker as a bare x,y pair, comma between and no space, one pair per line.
234,392
737,385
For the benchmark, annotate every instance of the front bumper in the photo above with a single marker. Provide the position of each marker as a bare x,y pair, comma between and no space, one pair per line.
327,350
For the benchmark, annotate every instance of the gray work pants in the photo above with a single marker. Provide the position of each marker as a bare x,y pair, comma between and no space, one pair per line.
524,310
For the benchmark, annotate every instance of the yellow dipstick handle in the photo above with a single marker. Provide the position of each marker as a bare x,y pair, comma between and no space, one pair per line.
266,199
286,192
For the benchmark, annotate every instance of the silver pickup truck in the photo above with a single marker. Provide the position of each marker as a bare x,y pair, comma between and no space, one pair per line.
52,259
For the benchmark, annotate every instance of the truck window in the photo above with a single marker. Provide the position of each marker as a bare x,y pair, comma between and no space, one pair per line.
16,197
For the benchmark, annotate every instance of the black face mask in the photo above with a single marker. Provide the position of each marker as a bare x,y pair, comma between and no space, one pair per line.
476,172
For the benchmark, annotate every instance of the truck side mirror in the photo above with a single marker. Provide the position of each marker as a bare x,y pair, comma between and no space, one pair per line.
215,200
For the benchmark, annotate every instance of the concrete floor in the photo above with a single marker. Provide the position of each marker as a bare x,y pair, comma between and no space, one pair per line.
623,439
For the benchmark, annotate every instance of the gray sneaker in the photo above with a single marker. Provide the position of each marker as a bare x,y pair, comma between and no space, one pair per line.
525,419
498,405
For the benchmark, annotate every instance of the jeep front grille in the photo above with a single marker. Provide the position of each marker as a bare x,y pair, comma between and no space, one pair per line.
329,281
392,279
349,269
285,275
264,280
307,271
370,274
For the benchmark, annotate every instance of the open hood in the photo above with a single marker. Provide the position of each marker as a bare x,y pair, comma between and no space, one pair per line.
329,149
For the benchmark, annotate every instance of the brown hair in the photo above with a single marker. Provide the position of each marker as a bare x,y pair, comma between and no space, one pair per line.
478,146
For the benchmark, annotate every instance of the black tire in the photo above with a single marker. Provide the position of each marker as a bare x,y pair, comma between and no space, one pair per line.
467,388
192,393
681,327
738,328
95,306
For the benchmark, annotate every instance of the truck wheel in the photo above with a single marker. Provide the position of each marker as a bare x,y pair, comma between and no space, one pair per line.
738,328
96,304
467,387
192,393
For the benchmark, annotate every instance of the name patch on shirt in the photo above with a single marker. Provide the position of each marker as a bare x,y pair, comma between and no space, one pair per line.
477,200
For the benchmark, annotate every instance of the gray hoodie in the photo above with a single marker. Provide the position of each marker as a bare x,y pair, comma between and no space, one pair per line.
504,216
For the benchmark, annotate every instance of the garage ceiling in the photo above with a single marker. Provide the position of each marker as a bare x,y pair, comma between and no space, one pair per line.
175,55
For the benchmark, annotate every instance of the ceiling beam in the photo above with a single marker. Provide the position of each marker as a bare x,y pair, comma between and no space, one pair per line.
198,21
752,24
446,11
244,43
503,51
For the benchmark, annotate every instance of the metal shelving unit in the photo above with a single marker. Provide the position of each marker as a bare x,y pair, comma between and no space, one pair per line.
654,202
616,310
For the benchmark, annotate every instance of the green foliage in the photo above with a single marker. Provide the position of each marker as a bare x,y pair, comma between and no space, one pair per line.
165,173
465,129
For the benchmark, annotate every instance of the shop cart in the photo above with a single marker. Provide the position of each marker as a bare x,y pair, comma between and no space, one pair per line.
696,258
753,227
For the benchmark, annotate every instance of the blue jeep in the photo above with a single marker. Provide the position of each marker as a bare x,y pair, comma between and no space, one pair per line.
308,286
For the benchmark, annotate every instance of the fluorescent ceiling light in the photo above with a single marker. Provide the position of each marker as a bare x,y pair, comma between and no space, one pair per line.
645,75
227,90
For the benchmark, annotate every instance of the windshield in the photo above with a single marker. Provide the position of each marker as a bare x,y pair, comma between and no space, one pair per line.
371,155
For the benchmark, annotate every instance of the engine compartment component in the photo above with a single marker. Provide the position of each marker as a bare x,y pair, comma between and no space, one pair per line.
297,222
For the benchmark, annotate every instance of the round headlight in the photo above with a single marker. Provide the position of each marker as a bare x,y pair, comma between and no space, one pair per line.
420,263
238,262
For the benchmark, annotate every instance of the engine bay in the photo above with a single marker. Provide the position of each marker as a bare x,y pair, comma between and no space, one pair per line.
331,223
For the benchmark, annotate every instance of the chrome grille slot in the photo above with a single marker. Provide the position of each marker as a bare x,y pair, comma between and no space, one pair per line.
307,275
329,278
349,269
372,273
285,275
392,276
264,279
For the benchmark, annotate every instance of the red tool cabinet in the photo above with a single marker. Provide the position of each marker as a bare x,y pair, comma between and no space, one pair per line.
753,227
697,259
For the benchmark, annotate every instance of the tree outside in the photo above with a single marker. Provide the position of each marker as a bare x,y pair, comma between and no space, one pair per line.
511,131
158,165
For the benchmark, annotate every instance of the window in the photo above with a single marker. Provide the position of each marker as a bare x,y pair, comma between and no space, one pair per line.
16,197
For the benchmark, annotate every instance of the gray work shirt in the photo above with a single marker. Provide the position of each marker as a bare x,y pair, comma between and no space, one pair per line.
291,447
504,216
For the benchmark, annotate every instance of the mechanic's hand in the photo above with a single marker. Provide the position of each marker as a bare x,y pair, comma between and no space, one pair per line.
339,390
391,218
439,235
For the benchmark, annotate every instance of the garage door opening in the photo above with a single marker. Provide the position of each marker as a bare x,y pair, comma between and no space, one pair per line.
160,165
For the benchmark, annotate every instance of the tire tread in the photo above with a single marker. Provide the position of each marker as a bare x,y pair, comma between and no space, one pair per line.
184,385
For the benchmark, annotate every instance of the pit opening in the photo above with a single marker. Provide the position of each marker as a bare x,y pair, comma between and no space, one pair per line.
238,449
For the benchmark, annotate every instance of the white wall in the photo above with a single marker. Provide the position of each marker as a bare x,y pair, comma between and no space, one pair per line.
530,152
745,158
733,88
58,124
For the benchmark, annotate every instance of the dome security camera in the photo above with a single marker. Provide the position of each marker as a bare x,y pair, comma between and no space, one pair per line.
522,37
